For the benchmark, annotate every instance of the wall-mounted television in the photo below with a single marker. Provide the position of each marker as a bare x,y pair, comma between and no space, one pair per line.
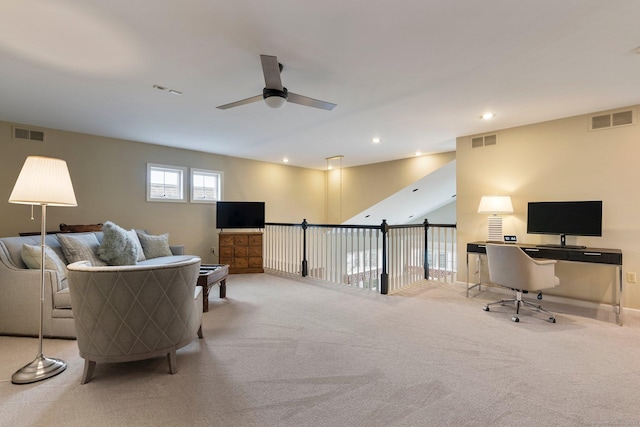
239,215
576,218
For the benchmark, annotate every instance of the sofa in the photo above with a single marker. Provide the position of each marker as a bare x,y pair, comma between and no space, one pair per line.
134,312
20,287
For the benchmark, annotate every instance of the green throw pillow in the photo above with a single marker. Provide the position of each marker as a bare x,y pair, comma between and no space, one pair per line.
155,246
117,247
80,247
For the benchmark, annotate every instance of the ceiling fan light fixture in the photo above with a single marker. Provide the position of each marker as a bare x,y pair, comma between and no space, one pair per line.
275,98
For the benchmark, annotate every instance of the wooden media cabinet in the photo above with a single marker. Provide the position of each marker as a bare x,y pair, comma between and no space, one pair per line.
241,251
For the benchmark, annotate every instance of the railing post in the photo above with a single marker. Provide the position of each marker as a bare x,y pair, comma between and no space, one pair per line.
426,248
305,267
384,277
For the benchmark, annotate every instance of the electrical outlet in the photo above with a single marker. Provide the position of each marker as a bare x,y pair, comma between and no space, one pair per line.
631,276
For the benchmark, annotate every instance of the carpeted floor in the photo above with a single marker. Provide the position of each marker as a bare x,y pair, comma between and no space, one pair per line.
279,352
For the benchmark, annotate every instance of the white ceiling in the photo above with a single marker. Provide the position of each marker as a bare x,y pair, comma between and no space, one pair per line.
411,204
415,73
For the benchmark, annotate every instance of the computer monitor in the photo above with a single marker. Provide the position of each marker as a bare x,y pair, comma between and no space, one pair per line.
574,218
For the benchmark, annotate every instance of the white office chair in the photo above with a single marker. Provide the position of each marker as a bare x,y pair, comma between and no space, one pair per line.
511,267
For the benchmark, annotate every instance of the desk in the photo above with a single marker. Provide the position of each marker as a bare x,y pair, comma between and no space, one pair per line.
588,255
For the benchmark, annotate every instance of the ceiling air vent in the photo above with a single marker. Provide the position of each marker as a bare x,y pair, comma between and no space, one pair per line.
612,120
484,141
28,134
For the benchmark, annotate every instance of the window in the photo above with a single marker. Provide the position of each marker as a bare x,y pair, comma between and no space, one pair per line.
165,183
206,186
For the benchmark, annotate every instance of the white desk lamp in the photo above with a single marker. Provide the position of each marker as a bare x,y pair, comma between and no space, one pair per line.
46,182
495,205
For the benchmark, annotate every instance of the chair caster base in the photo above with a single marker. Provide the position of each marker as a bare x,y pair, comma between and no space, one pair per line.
552,319
515,319
485,308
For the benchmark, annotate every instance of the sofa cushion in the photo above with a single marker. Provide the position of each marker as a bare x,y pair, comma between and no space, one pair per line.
155,246
117,247
62,299
80,247
32,257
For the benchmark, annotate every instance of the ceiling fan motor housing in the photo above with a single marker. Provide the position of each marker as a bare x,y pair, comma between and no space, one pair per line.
267,93
275,98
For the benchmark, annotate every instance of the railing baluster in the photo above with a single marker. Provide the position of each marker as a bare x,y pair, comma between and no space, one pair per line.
382,258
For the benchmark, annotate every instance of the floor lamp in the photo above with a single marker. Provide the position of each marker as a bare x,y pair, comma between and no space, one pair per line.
46,182
495,205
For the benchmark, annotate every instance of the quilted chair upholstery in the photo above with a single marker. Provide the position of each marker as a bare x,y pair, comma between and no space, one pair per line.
134,312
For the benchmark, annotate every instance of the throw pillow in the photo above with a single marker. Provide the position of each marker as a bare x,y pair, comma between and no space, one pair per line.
134,237
117,247
80,247
32,257
155,246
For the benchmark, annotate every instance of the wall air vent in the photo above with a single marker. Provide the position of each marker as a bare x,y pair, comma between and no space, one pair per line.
612,119
484,141
28,134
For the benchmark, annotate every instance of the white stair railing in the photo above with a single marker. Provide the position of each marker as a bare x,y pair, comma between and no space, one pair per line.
379,258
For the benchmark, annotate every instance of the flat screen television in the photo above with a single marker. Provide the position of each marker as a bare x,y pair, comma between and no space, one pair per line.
577,218
239,215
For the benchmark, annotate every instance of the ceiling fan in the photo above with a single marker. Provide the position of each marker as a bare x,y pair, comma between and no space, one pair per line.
274,94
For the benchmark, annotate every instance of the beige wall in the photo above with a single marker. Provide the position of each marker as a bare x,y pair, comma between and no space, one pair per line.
109,178
559,160
363,186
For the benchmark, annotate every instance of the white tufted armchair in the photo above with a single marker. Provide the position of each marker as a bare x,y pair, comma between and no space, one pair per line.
135,312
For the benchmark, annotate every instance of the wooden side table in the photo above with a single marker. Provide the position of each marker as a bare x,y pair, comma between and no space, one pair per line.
210,274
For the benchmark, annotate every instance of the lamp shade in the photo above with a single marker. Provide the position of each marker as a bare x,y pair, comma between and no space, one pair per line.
44,181
495,205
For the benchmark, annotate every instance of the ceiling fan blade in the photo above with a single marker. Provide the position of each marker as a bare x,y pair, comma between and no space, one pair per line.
242,102
309,102
271,71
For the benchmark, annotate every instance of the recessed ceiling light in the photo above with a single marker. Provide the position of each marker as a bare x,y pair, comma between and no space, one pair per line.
376,140
418,153
285,160
487,116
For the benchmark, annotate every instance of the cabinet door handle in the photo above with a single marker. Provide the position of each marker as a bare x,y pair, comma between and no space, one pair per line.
531,250
593,253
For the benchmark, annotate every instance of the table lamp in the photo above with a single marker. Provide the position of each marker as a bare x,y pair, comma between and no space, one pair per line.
495,205
46,182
